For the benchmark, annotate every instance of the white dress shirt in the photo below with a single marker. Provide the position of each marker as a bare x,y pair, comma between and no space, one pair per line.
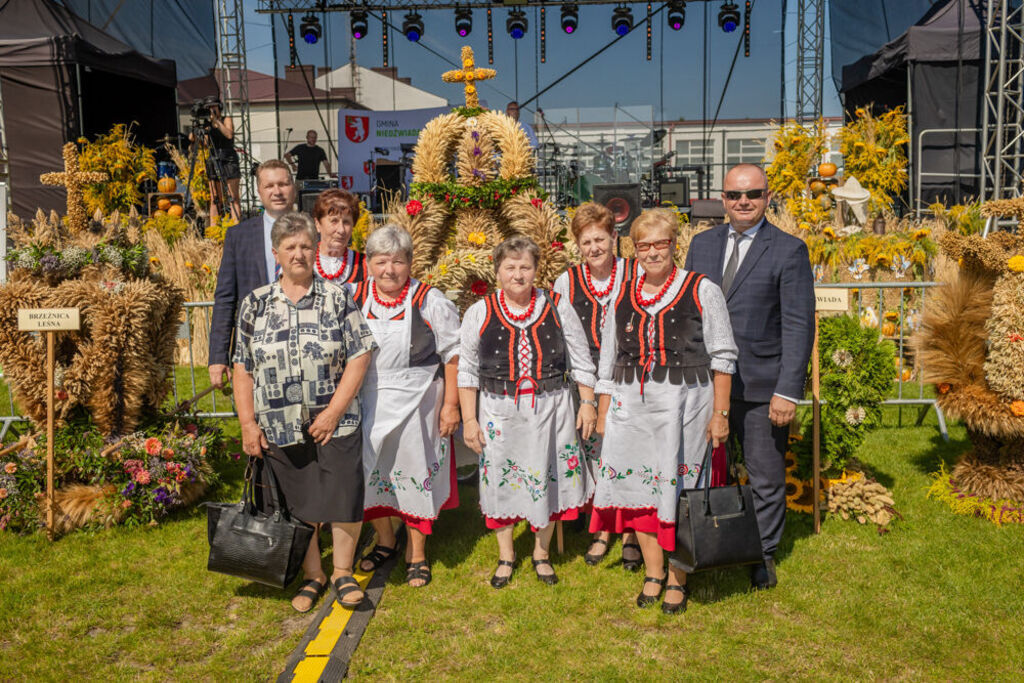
268,224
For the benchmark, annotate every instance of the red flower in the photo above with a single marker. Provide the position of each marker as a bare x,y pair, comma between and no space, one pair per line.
537,202
413,207
60,395
192,428
153,446
479,288
572,463
557,246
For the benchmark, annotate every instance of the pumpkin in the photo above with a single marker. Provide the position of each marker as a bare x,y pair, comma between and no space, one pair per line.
159,212
163,203
889,329
817,187
827,169
825,202
176,210
166,184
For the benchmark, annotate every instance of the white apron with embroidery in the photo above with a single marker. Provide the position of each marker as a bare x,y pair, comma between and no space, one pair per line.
405,460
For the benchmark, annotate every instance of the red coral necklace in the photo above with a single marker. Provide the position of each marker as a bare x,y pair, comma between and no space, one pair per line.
523,316
657,297
611,281
337,274
396,302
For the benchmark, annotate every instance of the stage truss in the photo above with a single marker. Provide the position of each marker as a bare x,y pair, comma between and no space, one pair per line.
810,59
1002,132
234,83
283,6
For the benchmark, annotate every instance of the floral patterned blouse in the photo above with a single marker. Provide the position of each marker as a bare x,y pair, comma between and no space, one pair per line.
296,353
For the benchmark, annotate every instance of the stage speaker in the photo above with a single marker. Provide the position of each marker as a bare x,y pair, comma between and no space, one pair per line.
676,191
307,200
711,210
623,200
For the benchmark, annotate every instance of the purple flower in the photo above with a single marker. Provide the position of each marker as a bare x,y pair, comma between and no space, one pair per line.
476,151
49,263
476,135
128,490
427,484
162,496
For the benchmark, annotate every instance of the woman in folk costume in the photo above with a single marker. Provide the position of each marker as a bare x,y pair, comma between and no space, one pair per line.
518,345
665,372
410,402
336,212
590,287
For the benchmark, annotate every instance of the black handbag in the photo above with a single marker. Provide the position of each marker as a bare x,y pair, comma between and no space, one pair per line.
716,526
266,547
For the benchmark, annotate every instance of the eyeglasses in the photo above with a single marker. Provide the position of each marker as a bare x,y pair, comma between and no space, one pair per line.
643,247
734,195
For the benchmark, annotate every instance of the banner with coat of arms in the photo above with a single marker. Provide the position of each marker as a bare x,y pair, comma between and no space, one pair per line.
364,132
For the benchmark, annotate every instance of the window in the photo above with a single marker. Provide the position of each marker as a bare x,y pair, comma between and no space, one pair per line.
691,152
744,151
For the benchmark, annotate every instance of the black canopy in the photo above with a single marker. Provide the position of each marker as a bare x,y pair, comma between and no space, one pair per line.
61,77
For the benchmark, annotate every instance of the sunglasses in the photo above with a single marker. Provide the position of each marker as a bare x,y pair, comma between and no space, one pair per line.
734,195
642,247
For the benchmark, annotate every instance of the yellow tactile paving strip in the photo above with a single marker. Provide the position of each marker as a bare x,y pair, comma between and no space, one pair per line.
318,651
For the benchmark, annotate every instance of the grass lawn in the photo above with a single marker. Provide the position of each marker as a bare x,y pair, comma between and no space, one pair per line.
940,597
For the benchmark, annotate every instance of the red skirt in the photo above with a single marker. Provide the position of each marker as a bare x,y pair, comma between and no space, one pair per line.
497,523
644,520
423,525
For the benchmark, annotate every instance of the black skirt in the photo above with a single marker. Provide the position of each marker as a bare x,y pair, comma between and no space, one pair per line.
321,483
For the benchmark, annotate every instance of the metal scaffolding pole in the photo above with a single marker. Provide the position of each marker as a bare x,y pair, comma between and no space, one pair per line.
234,83
1002,131
810,58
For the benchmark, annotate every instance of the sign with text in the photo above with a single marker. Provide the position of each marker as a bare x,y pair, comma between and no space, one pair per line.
365,134
828,299
48,319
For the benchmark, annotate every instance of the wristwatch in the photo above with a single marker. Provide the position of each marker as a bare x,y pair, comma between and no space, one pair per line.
588,402
723,413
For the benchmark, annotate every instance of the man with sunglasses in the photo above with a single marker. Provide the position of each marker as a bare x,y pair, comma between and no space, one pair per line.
766,277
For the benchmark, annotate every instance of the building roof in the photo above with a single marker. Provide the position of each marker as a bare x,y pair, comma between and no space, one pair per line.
261,89
380,88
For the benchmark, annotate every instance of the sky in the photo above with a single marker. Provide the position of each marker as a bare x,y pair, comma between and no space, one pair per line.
672,83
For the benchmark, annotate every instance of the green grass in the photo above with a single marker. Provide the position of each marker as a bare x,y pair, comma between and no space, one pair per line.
940,597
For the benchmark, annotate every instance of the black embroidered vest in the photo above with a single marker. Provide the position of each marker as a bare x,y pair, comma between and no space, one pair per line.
587,307
423,347
499,349
678,352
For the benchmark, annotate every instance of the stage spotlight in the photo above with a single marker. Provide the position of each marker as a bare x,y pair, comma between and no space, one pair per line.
676,15
412,26
310,28
360,27
516,24
463,21
570,17
622,20
729,17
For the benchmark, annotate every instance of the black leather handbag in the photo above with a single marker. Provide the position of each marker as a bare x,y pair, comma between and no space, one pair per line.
716,526
266,547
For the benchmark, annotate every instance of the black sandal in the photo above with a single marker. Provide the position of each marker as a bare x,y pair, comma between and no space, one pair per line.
675,607
343,585
550,579
378,556
643,600
311,589
418,570
594,559
632,565
502,581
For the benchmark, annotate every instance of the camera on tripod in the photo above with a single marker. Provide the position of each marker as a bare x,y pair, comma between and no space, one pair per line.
202,110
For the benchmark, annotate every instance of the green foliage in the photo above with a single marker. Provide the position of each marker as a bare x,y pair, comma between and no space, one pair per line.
857,371
489,195
171,228
126,165
59,264
468,112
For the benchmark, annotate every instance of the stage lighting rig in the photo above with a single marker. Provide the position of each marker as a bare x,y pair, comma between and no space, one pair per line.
622,20
516,24
729,17
412,26
309,29
360,27
676,15
463,21
570,17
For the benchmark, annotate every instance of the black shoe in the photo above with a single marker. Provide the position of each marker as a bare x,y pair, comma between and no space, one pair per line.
675,607
550,579
632,565
595,559
643,600
762,576
502,581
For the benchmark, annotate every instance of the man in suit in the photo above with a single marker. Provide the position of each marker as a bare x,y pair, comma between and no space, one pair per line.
766,277
247,263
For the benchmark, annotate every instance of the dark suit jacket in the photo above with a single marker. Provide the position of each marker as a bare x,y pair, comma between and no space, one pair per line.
243,268
771,305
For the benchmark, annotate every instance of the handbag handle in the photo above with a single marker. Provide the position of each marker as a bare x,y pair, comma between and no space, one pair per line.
705,470
249,489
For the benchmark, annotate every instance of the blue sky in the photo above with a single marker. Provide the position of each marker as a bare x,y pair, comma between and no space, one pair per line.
671,82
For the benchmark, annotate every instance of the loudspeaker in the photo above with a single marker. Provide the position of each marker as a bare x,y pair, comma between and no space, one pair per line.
708,210
676,191
623,200
307,200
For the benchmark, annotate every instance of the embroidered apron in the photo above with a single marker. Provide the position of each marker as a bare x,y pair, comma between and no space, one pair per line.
405,460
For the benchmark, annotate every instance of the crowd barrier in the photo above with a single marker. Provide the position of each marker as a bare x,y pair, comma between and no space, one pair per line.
870,301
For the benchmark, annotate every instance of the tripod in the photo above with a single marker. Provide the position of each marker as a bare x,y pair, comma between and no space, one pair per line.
201,135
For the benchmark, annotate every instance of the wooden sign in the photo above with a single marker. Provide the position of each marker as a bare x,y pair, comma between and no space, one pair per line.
48,319
828,299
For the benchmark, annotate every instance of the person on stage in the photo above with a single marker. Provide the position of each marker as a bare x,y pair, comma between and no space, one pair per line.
222,153
302,351
247,263
769,287
309,155
336,212
518,346
590,287
410,402
667,358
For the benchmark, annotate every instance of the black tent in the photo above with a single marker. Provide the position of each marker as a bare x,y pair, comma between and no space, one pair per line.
61,78
935,68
